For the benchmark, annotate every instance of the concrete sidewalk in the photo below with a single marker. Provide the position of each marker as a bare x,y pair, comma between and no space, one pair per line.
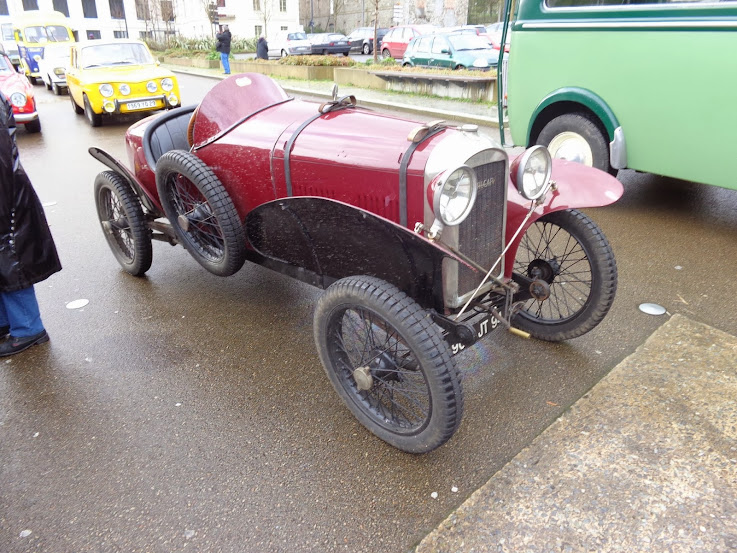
646,461
453,110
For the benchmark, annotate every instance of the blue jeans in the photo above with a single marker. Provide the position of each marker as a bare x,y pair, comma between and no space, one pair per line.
226,62
19,310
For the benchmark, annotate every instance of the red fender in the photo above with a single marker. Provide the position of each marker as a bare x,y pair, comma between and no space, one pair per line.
577,186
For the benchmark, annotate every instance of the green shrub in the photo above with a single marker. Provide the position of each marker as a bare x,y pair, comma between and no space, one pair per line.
327,61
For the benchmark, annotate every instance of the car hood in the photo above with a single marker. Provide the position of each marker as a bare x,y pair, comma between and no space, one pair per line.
125,73
15,82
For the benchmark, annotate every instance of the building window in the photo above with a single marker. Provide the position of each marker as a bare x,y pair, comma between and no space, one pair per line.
89,8
257,5
120,34
259,29
221,3
283,28
282,5
93,35
142,11
4,11
117,10
30,5
167,10
61,6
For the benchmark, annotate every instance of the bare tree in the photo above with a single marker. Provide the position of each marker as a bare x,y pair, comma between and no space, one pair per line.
266,8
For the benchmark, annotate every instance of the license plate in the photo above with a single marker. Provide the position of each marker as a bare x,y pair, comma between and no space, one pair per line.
143,104
482,328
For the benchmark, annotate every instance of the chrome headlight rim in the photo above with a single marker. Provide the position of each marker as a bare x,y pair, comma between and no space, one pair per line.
525,167
18,99
167,84
151,86
124,89
440,192
106,90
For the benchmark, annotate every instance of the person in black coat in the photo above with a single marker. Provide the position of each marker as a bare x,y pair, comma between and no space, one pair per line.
27,250
262,48
223,46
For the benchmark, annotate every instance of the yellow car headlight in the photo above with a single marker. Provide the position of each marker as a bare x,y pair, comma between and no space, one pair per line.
125,89
106,90
151,86
167,84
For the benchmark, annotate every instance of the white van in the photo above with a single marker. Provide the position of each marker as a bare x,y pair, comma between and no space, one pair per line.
289,43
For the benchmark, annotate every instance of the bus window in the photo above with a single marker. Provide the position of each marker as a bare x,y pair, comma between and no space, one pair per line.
639,84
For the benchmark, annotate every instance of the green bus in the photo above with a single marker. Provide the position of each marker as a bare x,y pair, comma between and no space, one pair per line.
636,84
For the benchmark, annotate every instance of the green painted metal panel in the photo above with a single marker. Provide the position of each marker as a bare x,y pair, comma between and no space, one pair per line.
672,89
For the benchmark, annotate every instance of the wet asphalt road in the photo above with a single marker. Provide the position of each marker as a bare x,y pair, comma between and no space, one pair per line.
187,412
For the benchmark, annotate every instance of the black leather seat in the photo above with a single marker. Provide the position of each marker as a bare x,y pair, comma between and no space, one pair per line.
167,132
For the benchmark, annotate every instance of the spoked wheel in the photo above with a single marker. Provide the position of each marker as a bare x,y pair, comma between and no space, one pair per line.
574,273
366,49
123,224
389,363
201,212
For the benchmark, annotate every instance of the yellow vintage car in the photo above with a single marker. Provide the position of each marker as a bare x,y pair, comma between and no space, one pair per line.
118,76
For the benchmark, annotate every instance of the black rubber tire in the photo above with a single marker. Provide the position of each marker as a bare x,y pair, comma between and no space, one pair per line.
284,53
34,126
386,54
94,119
78,110
32,80
345,54
55,89
48,85
366,49
190,192
416,405
123,223
583,125
578,263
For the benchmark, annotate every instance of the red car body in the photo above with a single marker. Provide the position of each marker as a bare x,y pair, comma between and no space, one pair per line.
395,41
19,93
362,205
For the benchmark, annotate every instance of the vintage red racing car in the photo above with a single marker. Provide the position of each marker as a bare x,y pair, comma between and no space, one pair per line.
424,236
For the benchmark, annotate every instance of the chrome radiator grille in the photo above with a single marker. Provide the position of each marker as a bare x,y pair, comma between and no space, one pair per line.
481,235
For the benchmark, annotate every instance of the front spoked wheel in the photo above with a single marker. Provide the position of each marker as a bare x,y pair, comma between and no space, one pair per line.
389,363
574,273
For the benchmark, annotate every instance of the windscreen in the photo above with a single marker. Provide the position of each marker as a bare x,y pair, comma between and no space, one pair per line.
114,54
48,33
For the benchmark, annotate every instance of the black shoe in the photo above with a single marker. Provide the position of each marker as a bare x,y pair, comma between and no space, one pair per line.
4,331
12,345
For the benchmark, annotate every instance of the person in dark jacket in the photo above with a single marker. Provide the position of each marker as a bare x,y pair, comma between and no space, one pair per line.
262,48
27,251
223,46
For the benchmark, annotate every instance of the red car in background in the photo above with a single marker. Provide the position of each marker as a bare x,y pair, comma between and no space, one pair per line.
19,92
396,40
424,236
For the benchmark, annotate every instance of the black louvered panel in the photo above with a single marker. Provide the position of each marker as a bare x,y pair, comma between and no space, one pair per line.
481,235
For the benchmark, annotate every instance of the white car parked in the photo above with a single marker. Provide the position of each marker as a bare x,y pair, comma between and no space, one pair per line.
289,43
53,67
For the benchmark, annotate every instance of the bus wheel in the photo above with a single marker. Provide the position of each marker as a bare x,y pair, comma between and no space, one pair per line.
575,137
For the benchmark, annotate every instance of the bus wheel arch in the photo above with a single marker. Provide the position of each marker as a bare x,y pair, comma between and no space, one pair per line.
573,131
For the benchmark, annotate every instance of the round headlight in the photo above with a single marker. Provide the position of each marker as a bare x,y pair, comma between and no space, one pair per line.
124,89
167,84
18,99
455,195
106,90
531,172
36,58
151,86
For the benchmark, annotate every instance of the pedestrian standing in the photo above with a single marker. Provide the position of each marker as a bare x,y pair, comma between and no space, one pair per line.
27,251
223,46
262,48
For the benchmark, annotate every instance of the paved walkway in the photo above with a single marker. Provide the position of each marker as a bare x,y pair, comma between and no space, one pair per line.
646,461
467,112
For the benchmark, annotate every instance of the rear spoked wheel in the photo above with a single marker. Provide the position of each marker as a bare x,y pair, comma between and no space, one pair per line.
389,363
574,272
201,212
123,224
